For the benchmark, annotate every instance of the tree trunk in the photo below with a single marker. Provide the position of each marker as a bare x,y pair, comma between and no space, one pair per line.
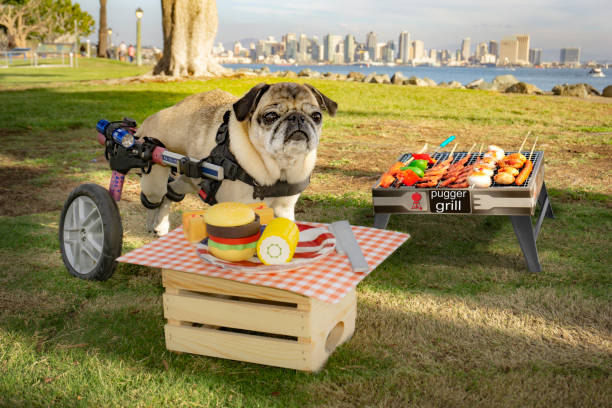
103,31
18,40
190,27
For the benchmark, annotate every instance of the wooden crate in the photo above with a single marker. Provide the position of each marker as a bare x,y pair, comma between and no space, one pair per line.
240,321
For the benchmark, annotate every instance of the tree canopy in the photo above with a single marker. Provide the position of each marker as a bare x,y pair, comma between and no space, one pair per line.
45,20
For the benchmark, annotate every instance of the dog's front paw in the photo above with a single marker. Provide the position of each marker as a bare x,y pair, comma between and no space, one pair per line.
158,220
162,228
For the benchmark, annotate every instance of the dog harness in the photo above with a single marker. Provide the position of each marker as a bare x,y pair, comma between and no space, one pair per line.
222,156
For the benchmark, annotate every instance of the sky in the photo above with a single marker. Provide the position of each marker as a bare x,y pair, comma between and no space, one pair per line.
441,24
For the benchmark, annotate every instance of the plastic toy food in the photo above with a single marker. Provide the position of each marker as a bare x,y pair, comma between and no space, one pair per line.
266,214
278,242
194,226
233,230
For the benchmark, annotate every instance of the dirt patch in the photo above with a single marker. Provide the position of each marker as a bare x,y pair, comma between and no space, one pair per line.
19,197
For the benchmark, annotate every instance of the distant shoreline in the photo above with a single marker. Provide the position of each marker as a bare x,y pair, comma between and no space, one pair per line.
545,79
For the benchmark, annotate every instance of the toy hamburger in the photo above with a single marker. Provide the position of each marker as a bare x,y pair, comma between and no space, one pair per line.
233,230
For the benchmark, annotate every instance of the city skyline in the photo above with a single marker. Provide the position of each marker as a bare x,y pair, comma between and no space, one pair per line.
441,24
511,51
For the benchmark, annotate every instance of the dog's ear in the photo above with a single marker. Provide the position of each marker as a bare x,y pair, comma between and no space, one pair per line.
246,105
324,102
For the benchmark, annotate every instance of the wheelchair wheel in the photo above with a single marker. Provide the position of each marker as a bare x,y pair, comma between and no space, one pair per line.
90,233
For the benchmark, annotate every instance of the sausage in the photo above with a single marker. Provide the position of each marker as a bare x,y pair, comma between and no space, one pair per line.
520,179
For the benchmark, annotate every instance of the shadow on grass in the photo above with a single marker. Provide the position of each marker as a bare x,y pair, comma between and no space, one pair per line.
120,322
470,254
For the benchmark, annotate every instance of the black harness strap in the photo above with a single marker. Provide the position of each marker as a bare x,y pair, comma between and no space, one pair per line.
222,156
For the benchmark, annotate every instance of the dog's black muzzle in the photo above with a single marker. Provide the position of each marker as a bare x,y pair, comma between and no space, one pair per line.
297,128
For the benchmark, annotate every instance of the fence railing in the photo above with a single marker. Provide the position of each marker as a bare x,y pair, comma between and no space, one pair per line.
11,59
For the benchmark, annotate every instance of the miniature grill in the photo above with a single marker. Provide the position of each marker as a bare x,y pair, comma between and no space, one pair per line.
497,199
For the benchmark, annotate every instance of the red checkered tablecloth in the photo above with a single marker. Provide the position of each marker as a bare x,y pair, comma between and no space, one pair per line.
329,279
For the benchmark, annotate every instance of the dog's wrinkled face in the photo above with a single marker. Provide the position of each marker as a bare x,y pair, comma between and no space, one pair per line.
285,118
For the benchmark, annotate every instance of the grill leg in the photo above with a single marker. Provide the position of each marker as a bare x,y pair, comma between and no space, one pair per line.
381,220
527,239
544,202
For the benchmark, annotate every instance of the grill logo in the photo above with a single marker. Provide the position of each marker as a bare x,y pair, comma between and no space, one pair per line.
416,201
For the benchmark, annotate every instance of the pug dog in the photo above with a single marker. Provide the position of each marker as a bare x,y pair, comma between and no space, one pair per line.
274,131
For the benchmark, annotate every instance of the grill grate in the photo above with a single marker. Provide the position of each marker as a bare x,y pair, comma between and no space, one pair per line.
441,156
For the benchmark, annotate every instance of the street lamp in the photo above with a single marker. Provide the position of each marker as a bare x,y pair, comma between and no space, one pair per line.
139,14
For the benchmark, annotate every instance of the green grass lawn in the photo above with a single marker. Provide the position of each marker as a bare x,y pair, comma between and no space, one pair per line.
88,69
453,318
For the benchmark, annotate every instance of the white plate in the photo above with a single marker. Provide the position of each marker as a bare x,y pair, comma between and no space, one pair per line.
315,243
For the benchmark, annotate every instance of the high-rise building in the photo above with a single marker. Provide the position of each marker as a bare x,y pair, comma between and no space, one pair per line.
508,51
481,50
371,43
465,48
388,52
259,49
523,49
404,47
330,47
443,56
349,49
291,46
303,48
535,56
418,47
494,48
316,47
570,56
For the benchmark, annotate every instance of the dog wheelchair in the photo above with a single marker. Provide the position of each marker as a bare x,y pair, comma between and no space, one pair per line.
90,228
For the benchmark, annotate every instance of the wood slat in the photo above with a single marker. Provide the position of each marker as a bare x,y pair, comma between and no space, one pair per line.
242,347
236,314
207,284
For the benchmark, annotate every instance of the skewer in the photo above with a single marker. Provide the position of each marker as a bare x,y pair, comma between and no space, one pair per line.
524,140
443,144
453,151
470,151
533,148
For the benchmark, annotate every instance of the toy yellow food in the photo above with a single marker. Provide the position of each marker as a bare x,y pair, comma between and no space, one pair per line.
266,214
233,230
278,242
194,226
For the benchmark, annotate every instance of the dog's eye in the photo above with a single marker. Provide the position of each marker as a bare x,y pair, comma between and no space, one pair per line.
316,116
270,117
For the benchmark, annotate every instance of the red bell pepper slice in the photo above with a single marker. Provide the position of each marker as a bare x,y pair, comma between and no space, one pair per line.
424,156
408,177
